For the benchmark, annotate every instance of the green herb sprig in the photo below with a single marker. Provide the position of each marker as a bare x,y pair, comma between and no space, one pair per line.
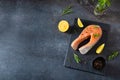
67,10
103,4
96,35
113,55
77,59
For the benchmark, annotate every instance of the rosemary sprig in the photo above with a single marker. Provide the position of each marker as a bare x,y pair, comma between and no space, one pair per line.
67,10
113,55
77,59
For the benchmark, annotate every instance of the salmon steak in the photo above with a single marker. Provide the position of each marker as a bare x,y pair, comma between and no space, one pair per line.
94,32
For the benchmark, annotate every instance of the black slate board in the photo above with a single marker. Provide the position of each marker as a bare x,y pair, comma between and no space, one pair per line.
86,64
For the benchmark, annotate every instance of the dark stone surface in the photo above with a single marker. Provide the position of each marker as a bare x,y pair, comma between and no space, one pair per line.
32,48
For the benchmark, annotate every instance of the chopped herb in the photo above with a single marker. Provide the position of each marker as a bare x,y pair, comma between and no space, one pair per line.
77,59
96,35
67,10
113,55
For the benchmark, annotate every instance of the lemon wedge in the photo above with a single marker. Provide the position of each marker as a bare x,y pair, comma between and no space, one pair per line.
100,48
63,26
79,22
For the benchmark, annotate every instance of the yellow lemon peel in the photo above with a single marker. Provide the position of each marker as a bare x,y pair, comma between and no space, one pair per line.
79,22
100,48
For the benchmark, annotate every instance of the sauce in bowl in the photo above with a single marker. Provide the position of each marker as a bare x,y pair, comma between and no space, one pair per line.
99,63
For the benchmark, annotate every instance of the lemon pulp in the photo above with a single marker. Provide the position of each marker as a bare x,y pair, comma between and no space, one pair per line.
100,48
79,22
63,26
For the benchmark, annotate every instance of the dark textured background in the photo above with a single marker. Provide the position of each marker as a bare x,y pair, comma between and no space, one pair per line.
32,48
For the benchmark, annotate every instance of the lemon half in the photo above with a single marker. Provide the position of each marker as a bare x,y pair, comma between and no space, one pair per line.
63,26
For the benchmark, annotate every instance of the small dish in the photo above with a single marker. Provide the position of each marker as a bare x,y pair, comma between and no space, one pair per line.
98,63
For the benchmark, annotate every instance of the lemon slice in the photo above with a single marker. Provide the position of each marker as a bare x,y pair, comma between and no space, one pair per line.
79,22
63,26
100,48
